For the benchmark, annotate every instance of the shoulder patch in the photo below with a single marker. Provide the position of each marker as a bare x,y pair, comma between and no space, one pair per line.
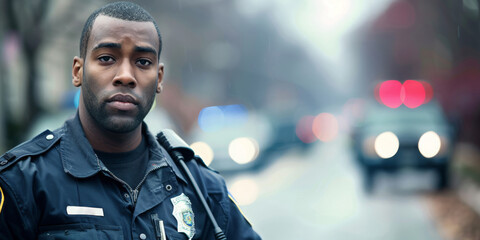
2,199
238,207
38,145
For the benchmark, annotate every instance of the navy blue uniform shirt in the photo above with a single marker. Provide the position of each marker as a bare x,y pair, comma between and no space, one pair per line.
55,187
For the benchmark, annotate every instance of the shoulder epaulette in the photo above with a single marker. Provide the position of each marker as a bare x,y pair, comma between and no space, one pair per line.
38,145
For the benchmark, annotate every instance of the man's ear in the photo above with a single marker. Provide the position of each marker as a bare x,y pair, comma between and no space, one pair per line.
160,78
77,71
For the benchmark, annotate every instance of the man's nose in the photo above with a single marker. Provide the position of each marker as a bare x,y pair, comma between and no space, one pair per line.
125,75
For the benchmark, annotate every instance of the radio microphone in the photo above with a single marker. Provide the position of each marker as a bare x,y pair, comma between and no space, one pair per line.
181,152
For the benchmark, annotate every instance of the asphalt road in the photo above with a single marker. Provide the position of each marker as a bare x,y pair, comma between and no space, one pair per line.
318,194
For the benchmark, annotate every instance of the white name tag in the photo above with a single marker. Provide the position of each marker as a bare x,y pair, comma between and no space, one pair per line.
90,211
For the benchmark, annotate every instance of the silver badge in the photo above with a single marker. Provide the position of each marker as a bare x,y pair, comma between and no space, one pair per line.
182,211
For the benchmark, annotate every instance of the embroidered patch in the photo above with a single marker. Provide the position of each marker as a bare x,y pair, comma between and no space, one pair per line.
182,211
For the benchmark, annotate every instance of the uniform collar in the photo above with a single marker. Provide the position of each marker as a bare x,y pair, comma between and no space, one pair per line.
158,152
80,160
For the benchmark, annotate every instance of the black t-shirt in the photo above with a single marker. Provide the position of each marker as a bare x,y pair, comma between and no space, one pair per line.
128,166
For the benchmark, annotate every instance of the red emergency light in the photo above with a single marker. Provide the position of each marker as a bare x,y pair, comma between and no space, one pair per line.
412,93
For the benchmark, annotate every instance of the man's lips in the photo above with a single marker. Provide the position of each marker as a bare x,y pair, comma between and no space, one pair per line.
122,102
122,98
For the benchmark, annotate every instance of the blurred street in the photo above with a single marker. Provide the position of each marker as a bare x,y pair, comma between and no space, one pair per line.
318,195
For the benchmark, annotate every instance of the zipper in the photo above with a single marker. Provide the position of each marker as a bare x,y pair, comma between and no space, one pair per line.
133,195
133,192
137,189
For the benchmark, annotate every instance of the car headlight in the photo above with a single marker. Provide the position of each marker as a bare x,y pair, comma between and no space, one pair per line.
386,144
243,150
429,144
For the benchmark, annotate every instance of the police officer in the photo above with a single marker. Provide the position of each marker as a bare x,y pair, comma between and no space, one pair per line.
103,175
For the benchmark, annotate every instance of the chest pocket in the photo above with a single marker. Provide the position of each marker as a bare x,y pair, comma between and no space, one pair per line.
80,231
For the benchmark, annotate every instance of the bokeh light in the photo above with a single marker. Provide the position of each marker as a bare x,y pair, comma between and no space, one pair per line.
414,93
211,119
243,150
386,144
215,118
234,114
390,93
204,151
325,127
304,129
245,191
429,144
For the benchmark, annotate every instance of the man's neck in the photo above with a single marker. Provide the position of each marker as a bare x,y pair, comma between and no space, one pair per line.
114,142
107,141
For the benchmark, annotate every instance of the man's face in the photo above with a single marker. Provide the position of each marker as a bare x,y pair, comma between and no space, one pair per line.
121,73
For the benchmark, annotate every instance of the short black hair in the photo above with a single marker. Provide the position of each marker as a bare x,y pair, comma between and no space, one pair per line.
122,10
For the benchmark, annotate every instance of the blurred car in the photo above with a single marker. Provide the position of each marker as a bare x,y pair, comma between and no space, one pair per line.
389,139
284,134
231,141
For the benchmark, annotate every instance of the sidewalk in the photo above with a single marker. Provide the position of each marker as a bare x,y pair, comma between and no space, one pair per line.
457,211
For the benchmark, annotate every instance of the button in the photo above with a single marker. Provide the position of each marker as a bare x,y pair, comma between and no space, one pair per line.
143,236
126,195
49,137
3,162
168,187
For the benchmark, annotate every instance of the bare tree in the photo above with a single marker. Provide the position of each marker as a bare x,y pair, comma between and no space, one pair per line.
26,19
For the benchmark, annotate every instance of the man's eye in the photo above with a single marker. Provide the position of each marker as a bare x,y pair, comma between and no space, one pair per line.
144,62
106,59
